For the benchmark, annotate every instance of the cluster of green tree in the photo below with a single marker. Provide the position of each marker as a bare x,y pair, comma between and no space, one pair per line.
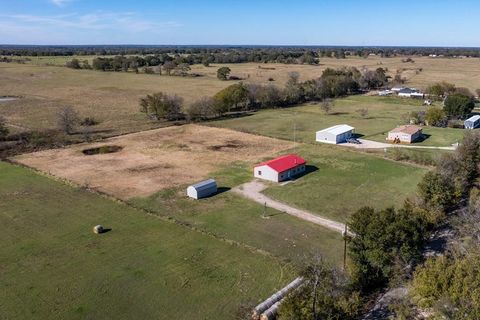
325,294
250,97
441,90
162,106
386,245
149,65
450,284
235,54
458,103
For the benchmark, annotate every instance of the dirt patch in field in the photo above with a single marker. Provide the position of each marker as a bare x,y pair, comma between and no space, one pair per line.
150,161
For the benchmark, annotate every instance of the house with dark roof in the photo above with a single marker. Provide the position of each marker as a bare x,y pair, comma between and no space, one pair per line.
410,93
280,169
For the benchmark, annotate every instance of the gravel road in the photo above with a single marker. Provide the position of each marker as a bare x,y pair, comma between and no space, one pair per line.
253,191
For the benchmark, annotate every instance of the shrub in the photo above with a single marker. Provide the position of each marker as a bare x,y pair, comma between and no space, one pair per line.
3,128
148,70
88,122
200,109
415,156
74,64
437,192
223,73
435,117
162,106
441,89
233,96
363,112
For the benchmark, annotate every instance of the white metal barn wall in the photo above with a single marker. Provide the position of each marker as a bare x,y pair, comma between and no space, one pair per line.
266,173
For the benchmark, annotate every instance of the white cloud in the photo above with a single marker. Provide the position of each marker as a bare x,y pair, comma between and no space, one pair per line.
60,3
121,21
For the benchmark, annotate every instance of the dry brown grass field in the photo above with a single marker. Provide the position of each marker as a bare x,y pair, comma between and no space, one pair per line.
113,98
154,160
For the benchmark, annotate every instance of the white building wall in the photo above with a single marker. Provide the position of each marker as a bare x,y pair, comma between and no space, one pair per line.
266,173
403,137
192,192
326,137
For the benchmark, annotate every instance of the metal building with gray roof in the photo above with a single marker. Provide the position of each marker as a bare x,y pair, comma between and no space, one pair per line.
202,189
336,134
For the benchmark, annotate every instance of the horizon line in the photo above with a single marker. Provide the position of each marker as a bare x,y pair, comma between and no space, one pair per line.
242,45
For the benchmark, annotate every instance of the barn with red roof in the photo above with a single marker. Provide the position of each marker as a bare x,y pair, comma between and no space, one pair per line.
281,168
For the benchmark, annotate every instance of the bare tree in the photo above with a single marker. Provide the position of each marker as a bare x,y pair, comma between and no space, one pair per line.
363,112
254,91
182,69
3,128
327,105
200,109
67,119
169,66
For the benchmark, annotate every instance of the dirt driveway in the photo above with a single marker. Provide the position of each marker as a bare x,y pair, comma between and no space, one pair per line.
369,144
253,191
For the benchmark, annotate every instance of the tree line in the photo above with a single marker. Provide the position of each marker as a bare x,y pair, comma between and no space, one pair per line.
240,97
238,54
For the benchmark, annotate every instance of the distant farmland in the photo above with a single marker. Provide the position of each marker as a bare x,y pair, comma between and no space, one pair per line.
113,97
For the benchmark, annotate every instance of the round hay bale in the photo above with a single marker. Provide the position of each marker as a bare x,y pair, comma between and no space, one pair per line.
98,229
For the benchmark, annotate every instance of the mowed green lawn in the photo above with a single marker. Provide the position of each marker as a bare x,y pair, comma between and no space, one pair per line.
345,180
300,123
52,266
231,216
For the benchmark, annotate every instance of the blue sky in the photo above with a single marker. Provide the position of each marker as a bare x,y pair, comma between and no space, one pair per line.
260,22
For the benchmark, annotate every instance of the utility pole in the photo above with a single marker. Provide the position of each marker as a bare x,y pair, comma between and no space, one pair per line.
295,132
264,214
345,235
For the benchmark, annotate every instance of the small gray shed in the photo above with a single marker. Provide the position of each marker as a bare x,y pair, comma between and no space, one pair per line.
202,189
472,123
